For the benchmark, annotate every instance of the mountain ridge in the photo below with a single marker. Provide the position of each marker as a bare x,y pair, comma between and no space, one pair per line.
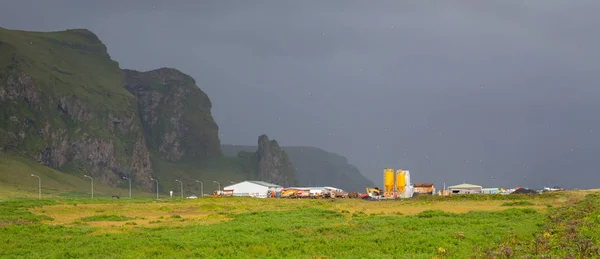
65,104
315,166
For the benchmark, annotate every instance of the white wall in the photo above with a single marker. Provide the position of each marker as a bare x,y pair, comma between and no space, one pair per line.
247,188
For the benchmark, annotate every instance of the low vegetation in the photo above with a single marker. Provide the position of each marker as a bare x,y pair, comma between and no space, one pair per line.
571,231
106,218
518,203
451,227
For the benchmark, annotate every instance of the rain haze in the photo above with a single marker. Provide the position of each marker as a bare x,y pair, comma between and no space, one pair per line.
495,93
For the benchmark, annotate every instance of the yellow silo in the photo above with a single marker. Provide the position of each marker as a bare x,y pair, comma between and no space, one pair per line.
400,183
388,182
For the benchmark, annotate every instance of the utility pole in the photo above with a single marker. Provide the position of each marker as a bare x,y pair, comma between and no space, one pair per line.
39,186
92,184
181,184
156,186
128,178
201,188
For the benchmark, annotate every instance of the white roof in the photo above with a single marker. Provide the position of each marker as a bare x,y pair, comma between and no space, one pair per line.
261,183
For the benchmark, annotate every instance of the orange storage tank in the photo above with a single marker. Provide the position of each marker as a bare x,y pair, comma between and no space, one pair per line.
400,181
388,182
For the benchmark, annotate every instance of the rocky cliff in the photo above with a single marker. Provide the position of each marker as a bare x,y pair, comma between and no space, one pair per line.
62,104
315,167
273,163
175,114
268,163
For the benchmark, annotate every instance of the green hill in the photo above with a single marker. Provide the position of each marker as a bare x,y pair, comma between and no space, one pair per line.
62,104
316,167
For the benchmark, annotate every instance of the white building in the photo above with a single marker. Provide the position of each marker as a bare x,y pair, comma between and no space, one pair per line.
257,189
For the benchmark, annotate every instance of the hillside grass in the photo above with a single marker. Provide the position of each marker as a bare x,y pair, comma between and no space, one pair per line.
216,227
68,62
16,182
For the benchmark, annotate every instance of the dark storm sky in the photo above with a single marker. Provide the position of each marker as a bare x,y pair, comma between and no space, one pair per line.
497,93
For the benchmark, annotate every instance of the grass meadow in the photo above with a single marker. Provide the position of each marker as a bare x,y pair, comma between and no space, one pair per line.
562,224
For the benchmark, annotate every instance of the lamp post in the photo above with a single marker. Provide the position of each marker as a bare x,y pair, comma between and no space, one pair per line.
156,186
201,188
218,184
181,184
128,178
92,184
39,186
232,182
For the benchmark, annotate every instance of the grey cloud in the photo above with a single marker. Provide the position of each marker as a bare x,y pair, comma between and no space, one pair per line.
452,90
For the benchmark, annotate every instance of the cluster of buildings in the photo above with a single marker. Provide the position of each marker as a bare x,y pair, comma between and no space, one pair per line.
403,178
395,186
466,188
261,189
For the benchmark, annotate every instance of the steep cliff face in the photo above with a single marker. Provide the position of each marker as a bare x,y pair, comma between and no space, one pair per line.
175,114
273,163
63,105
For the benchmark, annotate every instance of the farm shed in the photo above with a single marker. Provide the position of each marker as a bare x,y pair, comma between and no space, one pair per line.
257,189
465,188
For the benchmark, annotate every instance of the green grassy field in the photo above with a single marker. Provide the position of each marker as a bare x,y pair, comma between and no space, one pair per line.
560,224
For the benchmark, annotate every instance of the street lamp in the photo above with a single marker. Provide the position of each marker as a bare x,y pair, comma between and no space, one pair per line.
156,186
233,182
92,184
218,184
180,183
201,188
128,178
39,186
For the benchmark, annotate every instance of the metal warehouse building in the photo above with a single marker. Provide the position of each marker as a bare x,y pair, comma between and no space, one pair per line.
257,189
465,188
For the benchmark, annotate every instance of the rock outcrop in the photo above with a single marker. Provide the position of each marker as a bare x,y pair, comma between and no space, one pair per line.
314,167
62,103
175,114
273,163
